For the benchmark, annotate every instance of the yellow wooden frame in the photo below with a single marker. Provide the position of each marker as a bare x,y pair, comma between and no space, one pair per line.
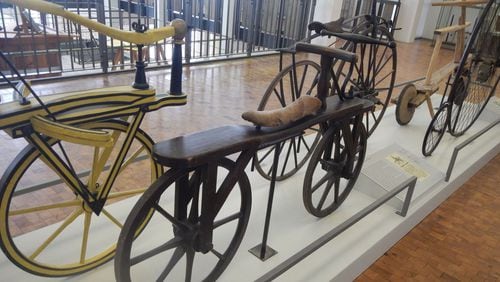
148,37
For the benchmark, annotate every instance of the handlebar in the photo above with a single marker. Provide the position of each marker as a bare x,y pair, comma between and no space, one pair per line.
332,53
148,37
359,38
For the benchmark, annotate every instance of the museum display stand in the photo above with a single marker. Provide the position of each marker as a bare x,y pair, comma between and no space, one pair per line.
393,157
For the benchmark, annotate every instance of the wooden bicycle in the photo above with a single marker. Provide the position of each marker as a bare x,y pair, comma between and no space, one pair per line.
202,204
84,149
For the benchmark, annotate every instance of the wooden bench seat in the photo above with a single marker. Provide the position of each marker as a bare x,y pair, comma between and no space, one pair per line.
206,146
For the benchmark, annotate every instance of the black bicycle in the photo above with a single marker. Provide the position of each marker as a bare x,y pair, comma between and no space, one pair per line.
474,81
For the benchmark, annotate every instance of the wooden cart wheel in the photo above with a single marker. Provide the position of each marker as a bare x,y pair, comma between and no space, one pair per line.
333,169
169,248
405,109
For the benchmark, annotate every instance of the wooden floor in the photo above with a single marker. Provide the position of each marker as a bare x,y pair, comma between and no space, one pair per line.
458,241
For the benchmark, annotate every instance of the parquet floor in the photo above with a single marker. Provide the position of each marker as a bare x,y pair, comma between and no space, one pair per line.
458,241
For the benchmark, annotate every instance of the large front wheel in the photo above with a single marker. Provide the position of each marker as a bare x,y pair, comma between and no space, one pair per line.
47,229
177,244
373,75
291,83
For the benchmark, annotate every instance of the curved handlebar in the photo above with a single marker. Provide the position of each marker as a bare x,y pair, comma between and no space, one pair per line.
148,37
359,38
333,53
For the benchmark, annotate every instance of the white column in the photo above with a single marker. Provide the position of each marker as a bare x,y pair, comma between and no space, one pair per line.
409,16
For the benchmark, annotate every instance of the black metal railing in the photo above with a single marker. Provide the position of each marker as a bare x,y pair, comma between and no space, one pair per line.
45,45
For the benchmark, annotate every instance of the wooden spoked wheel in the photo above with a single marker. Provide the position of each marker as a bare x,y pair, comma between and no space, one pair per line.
436,129
48,230
405,109
334,168
291,83
373,75
169,248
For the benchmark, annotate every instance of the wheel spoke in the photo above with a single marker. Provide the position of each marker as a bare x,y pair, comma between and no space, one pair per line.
173,220
373,115
295,152
303,78
292,86
194,187
287,157
56,233
178,253
325,194
85,236
227,219
112,218
336,191
73,203
131,159
172,243
321,181
267,154
308,148
128,193
217,254
383,65
380,61
189,264
280,98
367,123
383,78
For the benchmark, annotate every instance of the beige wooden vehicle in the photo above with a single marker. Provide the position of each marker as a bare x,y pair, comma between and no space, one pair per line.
415,94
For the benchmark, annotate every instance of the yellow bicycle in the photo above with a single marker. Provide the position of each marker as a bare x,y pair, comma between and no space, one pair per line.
86,159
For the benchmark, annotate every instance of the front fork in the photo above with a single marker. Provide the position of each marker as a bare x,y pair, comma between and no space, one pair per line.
95,200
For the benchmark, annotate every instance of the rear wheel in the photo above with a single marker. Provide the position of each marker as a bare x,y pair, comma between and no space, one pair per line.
405,109
436,130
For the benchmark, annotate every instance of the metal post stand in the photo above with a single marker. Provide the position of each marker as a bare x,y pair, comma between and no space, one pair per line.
263,251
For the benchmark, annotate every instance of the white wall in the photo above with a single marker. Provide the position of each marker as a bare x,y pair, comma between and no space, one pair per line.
326,11
428,20
408,20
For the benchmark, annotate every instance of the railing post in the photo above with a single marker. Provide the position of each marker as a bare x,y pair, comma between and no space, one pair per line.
188,16
181,31
103,45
